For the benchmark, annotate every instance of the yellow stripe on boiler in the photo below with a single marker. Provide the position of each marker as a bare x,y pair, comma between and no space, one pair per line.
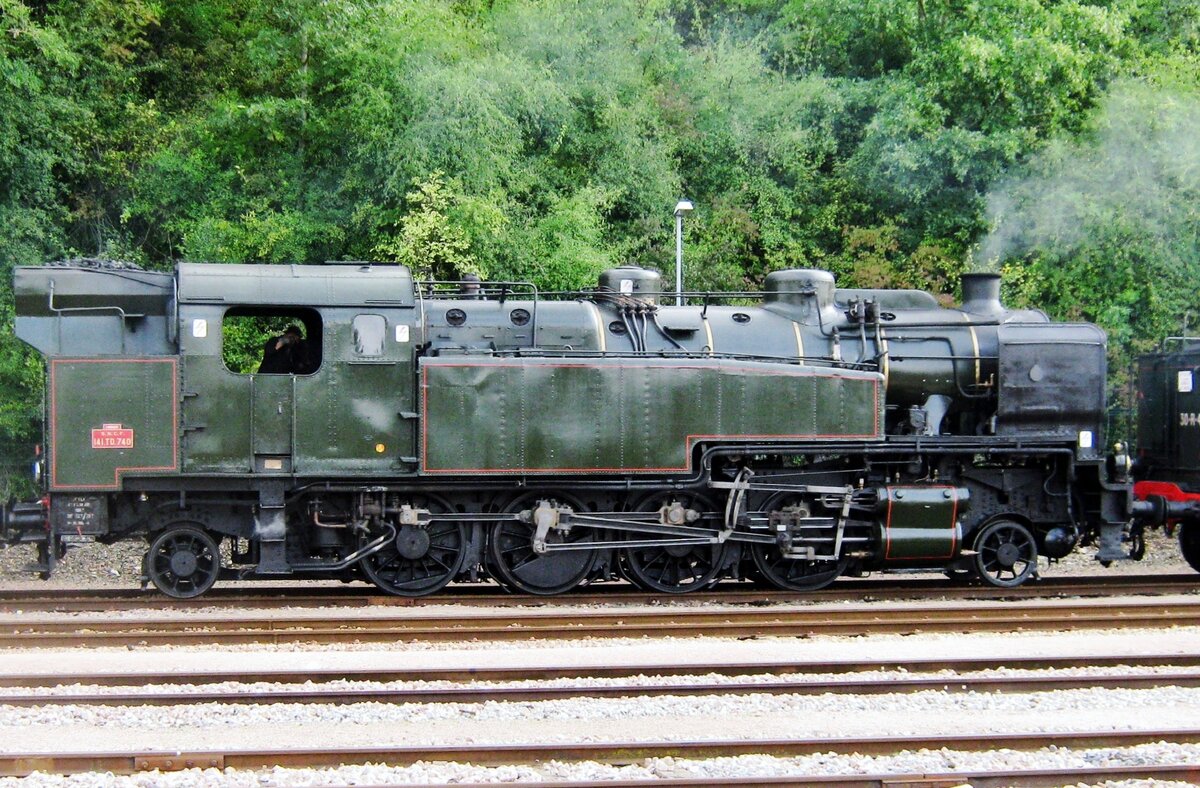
599,321
974,346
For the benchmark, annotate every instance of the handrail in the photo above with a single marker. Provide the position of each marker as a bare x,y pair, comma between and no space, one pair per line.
1181,341
60,310
865,366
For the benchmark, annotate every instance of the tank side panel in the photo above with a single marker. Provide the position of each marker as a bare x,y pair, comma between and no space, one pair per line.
525,416
111,417
1052,381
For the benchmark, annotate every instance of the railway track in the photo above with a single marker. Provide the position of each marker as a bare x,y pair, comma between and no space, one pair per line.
184,694
1184,670
22,764
555,673
487,595
383,625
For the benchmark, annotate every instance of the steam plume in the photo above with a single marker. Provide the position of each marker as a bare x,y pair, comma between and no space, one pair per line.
1141,169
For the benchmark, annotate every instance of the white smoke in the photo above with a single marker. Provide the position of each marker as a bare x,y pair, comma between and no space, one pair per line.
1140,166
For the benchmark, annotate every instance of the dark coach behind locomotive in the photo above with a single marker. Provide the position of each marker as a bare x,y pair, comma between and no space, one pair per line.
1167,467
443,435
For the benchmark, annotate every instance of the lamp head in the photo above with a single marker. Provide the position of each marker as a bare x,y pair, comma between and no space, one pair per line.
682,207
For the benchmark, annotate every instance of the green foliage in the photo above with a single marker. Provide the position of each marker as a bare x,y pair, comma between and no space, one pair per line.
893,142
1107,228
243,338
862,40
427,241
35,148
37,156
565,250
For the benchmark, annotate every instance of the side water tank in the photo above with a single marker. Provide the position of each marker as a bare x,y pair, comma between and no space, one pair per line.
632,280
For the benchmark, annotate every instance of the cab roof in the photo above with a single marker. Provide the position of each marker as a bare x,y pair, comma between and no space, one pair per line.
342,284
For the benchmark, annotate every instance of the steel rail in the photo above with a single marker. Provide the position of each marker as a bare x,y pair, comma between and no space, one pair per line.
548,673
129,762
1060,610
405,625
186,696
1005,778
82,600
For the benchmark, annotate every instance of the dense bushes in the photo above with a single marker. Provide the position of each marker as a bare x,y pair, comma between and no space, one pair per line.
895,142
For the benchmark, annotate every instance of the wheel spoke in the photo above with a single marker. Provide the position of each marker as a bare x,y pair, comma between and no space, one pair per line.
673,569
421,559
793,574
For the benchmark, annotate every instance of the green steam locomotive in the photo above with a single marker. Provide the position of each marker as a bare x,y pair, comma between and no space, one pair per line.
420,434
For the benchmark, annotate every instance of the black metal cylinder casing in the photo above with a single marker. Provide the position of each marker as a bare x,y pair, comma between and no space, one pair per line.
22,518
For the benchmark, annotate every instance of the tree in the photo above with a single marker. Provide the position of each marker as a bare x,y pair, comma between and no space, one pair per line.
427,241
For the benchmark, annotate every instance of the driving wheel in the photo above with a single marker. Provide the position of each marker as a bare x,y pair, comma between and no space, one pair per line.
516,566
793,574
422,558
673,569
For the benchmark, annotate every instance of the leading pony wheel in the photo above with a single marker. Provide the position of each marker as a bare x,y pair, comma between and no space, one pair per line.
183,561
1006,554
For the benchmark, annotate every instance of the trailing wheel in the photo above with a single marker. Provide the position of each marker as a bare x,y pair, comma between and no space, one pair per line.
183,561
422,558
516,565
1189,543
673,569
793,574
1006,554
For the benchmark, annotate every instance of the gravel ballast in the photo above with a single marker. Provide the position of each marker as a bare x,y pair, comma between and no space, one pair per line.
667,718
717,769
288,726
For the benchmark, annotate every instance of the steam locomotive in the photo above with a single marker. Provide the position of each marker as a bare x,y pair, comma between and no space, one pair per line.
444,432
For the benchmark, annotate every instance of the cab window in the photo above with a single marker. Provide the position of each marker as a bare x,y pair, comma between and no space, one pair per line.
271,341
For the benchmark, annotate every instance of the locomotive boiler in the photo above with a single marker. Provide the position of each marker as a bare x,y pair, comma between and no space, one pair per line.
441,433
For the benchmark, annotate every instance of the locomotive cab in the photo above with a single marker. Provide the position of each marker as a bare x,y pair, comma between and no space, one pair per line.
349,408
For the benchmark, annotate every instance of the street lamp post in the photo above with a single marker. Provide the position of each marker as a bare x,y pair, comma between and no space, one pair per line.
682,207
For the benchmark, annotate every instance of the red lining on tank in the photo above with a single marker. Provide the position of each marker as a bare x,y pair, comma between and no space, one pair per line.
690,440
54,485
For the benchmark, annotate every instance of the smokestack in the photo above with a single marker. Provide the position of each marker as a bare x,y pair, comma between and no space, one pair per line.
981,294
